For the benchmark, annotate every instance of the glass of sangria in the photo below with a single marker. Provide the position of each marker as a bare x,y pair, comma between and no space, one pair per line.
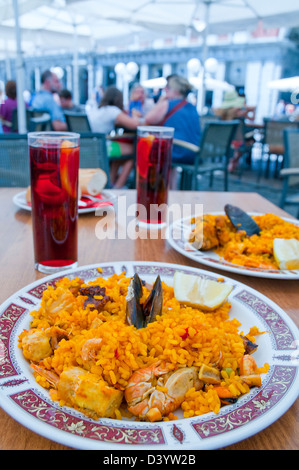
54,169
154,150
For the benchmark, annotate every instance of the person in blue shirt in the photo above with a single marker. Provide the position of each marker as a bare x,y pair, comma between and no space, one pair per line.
173,110
44,100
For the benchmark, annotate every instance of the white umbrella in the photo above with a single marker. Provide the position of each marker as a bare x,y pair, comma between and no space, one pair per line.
286,84
211,84
153,83
107,21
120,21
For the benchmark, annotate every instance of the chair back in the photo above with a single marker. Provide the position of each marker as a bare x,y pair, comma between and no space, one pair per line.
273,133
93,152
14,119
14,160
291,157
216,140
14,157
207,119
77,122
40,123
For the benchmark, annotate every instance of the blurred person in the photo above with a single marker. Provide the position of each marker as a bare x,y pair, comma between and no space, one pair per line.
104,119
66,101
280,108
173,110
44,100
8,106
139,104
234,107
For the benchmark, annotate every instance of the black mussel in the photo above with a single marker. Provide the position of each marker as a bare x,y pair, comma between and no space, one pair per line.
153,304
138,314
241,220
134,310
250,347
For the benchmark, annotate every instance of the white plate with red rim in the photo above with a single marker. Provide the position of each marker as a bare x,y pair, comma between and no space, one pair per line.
29,404
177,235
105,200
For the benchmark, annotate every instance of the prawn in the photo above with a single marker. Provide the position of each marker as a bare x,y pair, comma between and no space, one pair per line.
155,391
248,365
89,348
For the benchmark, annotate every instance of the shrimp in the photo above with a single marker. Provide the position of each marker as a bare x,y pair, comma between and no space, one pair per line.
84,390
248,365
89,348
155,391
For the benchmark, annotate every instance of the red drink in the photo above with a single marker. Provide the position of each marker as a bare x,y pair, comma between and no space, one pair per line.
54,199
153,170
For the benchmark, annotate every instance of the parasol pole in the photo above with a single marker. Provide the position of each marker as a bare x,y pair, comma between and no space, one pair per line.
22,128
76,68
205,50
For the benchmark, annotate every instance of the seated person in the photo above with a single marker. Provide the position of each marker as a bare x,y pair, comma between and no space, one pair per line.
139,104
173,110
66,101
44,100
7,108
104,119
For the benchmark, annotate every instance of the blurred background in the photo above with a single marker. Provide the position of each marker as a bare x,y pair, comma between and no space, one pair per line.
249,48
249,45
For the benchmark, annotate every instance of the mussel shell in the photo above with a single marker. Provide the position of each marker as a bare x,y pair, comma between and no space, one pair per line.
241,220
153,304
134,310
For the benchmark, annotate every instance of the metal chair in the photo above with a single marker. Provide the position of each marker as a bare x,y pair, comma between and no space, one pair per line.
36,121
274,140
40,123
14,119
77,122
14,160
290,172
93,152
207,119
14,157
212,155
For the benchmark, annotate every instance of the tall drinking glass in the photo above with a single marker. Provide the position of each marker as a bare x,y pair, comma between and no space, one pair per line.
154,149
54,169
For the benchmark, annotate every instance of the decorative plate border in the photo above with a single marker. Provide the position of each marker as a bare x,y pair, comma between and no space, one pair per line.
176,237
21,397
19,200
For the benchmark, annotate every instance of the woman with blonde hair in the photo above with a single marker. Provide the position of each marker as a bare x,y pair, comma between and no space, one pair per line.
173,110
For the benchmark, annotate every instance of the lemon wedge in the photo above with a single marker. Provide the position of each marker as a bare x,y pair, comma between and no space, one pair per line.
198,292
286,253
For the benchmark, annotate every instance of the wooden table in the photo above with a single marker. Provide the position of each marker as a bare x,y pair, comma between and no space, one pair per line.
16,258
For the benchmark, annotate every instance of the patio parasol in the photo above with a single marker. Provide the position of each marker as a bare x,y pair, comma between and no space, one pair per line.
285,84
117,22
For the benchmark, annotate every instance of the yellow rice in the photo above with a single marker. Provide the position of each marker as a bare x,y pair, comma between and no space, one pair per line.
180,337
257,250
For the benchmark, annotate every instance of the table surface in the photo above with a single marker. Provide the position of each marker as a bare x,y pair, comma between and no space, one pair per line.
16,257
